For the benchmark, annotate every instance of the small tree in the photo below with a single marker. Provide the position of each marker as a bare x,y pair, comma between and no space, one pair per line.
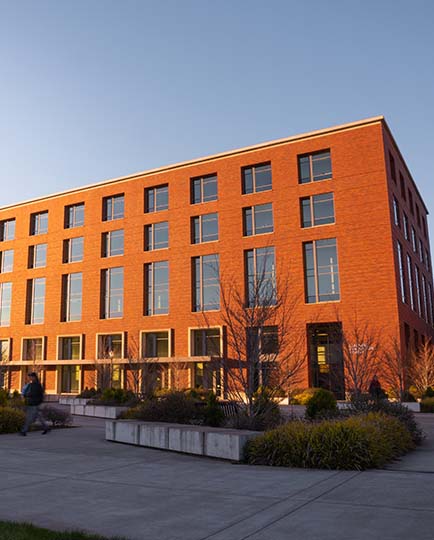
395,369
422,367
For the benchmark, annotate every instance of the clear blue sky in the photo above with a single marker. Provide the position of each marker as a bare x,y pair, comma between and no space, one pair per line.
94,89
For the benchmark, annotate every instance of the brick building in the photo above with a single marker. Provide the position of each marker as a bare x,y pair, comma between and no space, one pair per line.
125,269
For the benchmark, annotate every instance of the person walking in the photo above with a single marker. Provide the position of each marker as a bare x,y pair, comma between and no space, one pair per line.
34,396
375,390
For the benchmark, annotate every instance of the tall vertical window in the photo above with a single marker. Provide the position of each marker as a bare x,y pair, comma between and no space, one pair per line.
205,342
405,225
317,210
414,239
321,271
72,292
204,228
410,202
155,344
156,198
69,348
410,281
112,293
427,260
35,301
33,349
402,183
74,215
396,212
418,291
392,167
430,304
157,288
417,215
5,350
113,207
421,251
6,261
156,236
73,250
37,256
204,189
256,178
425,299
206,286
260,277
5,303
39,223
314,167
112,243
7,230
258,219
401,271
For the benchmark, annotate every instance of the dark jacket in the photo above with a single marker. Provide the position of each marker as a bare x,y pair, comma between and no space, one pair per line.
34,394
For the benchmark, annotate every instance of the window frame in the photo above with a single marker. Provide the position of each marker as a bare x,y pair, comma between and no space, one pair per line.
30,301
253,219
68,299
316,273
5,234
311,200
154,207
67,250
245,190
108,296
109,203
71,221
98,335
43,348
311,160
149,289
37,222
144,333
107,241
59,348
202,180
5,306
3,268
197,224
198,284
191,341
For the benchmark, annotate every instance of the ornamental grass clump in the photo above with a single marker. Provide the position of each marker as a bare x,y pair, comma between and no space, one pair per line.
356,443
11,420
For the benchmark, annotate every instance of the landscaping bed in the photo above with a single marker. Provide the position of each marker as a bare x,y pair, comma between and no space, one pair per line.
26,531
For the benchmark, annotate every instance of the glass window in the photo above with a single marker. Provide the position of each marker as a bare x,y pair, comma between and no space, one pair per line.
6,261
112,285
427,260
392,167
37,256
410,202
402,183
39,223
204,189
73,250
33,349
113,243
72,292
206,285
317,210
396,212
418,290
113,207
206,342
405,225
7,230
424,297
5,350
155,344
70,383
156,236
410,281
69,348
74,215
321,271
262,341
421,251
156,198
414,239
258,219
314,167
401,271
256,178
204,228
5,303
110,346
260,277
157,288
35,301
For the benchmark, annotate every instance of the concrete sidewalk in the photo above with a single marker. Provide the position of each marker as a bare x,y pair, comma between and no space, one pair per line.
75,479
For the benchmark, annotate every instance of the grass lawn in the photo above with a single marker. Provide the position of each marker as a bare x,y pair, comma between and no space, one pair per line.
24,531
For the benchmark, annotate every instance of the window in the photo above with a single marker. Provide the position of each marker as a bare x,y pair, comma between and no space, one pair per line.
402,183
417,215
33,349
430,304
112,243
414,239
405,225
314,167
401,272
425,300
410,201
72,291
156,198
113,207
5,350
6,261
73,250
156,236
427,260
206,342
396,212
321,271
7,230
157,288
110,346
418,292
35,301
37,256
204,189
260,277
70,379
317,210
69,348
392,167
112,293
258,219
410,281
263,341
421,251
155,344
424,225
74,215
206,287
256,178
38,223
5,303
204,228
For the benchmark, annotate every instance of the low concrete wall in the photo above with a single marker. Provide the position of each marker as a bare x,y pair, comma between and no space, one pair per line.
200,440
99,411
412,405
70,400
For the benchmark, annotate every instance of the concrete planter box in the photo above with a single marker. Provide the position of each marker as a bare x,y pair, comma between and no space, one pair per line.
70,400
199,440
412,405
99,411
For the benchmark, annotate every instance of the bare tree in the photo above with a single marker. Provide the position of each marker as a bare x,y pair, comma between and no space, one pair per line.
395,369
422,367
135,367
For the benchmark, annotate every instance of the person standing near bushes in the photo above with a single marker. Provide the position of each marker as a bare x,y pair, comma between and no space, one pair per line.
34,396
375,390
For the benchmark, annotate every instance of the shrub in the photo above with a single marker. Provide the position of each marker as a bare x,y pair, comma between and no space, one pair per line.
175,407
89,393
11,420
117,396
301,397
321,404
213,415
407,397
427,405
429,392
4,397
57,417
358,442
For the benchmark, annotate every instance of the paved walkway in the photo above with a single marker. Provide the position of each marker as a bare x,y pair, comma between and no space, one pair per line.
75,479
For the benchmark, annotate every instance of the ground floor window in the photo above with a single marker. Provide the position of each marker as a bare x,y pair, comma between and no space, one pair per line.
70,383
